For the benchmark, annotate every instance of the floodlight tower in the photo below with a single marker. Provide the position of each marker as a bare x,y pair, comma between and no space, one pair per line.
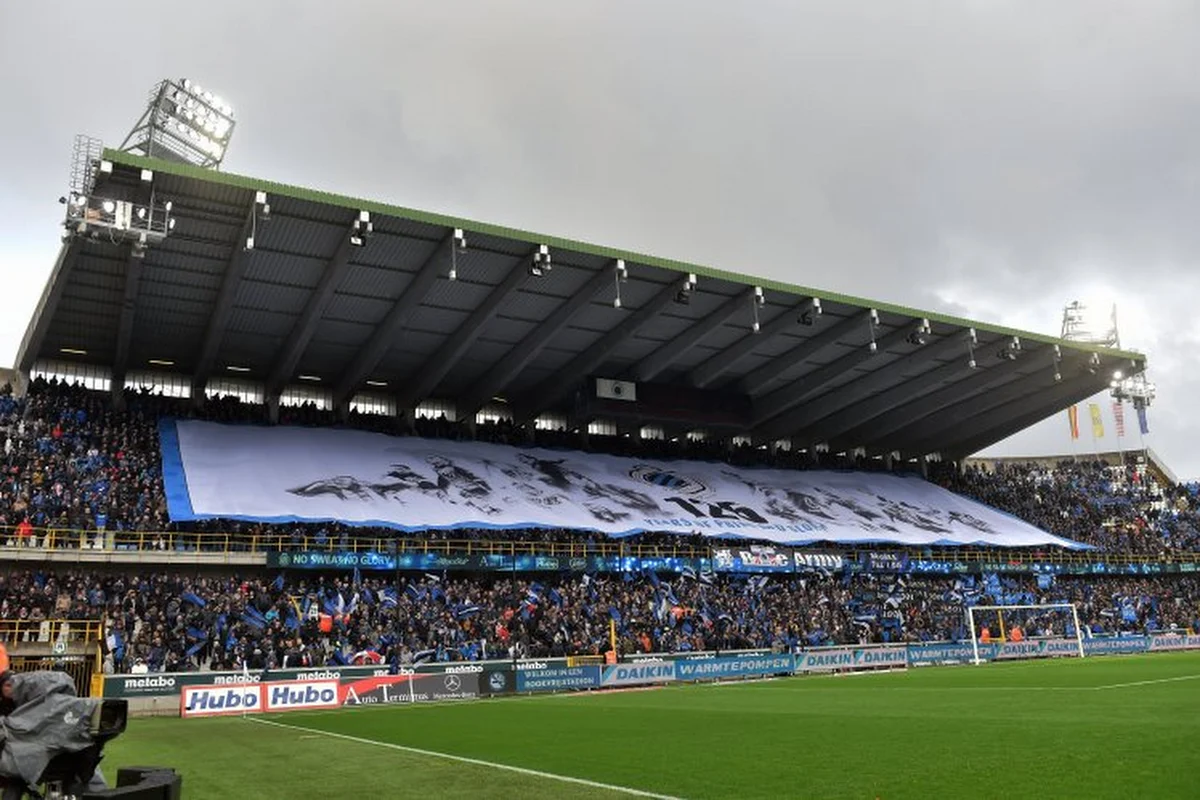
1083,324
183,122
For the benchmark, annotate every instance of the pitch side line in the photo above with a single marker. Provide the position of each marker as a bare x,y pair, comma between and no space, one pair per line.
1147,683
476,761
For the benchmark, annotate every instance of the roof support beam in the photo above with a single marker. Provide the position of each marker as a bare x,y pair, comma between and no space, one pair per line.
831,429
499,376
799,422
761,376
426,379
650,366
235,268
937,425
384,336
716,366
921,407
785,397
318,300
39,323
133,275
551,390
1058,398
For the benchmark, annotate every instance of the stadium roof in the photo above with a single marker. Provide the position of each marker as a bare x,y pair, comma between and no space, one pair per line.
386,318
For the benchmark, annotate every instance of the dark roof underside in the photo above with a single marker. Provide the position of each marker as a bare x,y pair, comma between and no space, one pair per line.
302,302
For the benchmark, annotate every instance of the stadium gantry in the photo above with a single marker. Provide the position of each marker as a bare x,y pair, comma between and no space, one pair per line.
350,302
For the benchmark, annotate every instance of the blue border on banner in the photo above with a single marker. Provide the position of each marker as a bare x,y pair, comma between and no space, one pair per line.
179,500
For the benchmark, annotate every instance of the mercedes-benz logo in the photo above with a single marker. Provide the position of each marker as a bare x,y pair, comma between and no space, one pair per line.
453,683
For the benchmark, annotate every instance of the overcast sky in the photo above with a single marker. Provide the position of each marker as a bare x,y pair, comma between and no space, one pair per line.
989,159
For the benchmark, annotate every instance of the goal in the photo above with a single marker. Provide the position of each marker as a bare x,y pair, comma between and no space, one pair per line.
1000,624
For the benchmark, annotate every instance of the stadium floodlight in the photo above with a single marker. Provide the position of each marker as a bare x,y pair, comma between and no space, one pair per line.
458,245
758,301
1039,615
1009,351
183,122
812,310
1090,324
921,335
620,275
540,264
872,322
118,218
1136,389
362,229
684,296
972,340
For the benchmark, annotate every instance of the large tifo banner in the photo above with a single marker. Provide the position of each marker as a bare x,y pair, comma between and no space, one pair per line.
286,474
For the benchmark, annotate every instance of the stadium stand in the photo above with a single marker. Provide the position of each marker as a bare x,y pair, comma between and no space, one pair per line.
766,375
75,469
173,622
74,466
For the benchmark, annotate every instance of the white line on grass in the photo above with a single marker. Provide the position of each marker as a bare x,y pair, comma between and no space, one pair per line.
476,761
1147,683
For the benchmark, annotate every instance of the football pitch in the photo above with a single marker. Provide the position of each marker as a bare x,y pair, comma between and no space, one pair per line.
1116,726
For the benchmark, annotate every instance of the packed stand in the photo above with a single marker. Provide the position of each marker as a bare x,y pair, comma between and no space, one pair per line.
74,464
1119,508
171,622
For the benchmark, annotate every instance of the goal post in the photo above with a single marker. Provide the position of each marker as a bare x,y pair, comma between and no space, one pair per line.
1016,611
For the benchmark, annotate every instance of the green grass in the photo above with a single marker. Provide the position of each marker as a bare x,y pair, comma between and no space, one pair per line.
1060,728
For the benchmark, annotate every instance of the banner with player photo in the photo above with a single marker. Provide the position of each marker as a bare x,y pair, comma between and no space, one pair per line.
291,474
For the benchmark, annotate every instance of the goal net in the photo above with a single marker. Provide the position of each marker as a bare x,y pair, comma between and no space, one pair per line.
1052,628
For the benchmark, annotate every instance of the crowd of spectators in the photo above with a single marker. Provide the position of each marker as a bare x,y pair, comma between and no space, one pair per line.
174,622
1120,508
74,463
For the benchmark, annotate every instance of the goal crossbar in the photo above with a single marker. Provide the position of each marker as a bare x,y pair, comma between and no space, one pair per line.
1046,607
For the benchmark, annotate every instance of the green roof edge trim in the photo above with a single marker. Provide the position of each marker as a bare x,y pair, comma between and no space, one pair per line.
375,207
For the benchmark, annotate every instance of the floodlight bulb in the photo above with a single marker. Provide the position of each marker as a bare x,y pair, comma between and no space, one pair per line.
141,212
1118,375
109,206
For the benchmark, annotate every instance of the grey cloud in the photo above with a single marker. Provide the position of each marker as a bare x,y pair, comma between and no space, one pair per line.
991,159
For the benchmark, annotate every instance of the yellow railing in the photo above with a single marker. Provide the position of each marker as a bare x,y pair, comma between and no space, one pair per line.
167,542
49,631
